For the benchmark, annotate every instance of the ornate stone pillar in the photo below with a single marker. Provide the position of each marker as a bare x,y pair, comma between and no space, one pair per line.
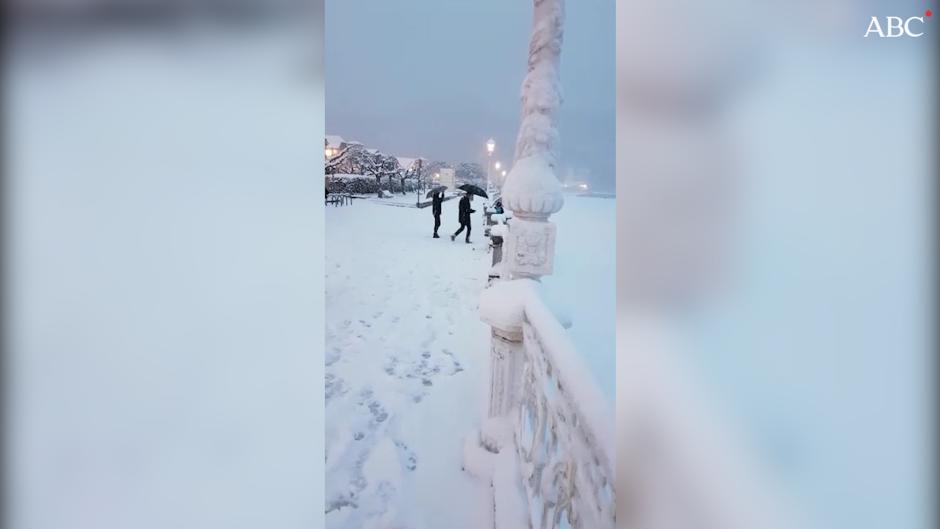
532,192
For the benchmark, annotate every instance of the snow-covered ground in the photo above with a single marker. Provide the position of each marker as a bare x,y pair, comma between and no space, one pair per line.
406,367
408,357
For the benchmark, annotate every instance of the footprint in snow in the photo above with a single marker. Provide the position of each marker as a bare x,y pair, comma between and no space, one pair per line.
378,412
364,395
391,365
334,387
333,356
409,458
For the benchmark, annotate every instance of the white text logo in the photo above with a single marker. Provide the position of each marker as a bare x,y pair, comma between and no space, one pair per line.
894,27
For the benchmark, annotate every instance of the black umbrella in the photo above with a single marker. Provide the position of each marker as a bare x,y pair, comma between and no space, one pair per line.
473,190
435,190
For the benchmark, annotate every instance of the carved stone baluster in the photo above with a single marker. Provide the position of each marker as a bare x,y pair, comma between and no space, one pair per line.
533,193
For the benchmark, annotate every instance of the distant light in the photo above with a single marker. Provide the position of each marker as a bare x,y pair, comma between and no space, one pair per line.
490,146
583,186
329,152
496,165
504,173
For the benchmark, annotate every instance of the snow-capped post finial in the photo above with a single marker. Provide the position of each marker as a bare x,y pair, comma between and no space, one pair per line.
532,190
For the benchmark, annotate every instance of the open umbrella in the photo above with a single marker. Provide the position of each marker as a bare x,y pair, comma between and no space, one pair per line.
473,190
435,190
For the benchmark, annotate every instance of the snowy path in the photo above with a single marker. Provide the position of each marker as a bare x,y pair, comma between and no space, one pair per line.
406,364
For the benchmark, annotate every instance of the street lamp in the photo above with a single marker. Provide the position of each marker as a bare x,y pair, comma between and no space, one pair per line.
490,147
330,153
496,166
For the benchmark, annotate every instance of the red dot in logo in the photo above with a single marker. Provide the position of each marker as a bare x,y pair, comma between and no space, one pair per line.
928,13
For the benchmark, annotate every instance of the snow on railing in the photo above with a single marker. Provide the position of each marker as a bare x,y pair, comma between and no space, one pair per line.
563,435
545,446
546,409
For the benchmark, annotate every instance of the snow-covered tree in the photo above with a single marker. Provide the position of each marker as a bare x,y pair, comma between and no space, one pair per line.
412,172
419,172
379,165
334,164
471,173
434,166
352,159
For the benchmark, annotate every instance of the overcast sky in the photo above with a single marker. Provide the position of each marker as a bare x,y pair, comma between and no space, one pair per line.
437,78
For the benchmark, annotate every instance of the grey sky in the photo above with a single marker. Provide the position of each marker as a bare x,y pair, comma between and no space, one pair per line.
436,78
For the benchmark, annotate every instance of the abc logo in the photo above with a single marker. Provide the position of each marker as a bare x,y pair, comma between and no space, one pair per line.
896,27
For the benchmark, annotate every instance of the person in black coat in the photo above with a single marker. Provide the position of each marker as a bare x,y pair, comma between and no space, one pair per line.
436,200
464,212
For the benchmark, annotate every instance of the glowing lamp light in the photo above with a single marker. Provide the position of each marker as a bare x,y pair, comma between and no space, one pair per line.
497,165
490,146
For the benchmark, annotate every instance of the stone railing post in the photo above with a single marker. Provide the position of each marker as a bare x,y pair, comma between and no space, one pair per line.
532,192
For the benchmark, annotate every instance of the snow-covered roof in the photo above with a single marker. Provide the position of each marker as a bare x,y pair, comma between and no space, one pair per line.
334,141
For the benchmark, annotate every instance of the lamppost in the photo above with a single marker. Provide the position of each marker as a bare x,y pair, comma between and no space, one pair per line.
490,147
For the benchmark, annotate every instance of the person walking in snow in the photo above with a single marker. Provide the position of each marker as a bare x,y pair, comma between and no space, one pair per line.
463,214
436,200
